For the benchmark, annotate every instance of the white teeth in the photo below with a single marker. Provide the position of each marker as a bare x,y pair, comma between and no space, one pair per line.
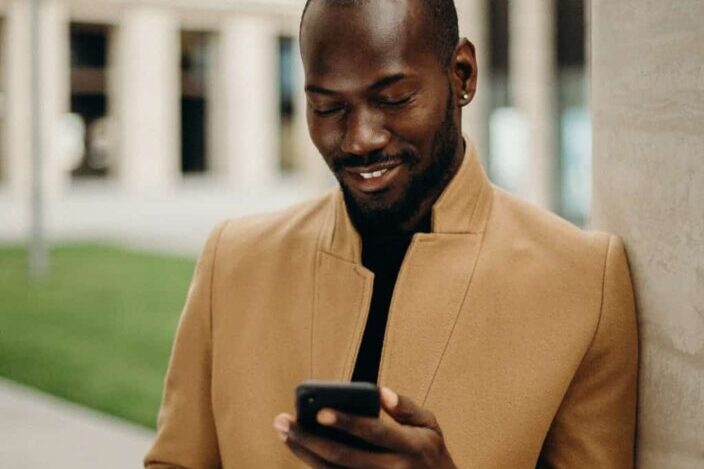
373,174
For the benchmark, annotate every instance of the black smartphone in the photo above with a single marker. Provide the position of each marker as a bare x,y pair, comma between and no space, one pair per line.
352,398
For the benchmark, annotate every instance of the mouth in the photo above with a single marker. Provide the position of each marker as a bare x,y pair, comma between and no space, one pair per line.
373,178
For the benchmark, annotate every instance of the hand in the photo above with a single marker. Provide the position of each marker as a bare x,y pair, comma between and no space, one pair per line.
412,440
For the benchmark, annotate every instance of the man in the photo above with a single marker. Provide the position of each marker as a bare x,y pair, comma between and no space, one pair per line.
501,335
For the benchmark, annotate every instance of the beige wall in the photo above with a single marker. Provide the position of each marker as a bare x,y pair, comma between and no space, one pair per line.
648,108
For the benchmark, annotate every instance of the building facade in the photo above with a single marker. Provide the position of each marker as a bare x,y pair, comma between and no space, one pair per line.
139,98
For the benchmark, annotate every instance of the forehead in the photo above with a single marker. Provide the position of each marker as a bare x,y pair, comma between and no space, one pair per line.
360,42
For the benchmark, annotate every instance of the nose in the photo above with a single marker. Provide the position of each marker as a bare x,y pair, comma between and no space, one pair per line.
364,133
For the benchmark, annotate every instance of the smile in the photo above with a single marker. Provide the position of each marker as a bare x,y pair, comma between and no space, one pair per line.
374,174
373,178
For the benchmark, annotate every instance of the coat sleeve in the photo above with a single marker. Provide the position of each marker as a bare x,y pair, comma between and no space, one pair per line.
186,436
595,425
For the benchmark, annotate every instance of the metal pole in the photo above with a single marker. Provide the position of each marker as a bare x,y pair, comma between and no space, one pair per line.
38,254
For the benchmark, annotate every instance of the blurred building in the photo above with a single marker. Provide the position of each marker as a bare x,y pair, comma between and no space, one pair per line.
162,90
151,98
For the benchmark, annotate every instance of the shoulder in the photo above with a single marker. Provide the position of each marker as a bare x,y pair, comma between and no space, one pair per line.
531,227
578,279
552,258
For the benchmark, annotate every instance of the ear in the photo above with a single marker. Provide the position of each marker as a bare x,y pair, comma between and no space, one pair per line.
463,72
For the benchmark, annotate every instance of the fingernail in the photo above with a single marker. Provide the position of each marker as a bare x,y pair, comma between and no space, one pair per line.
390,397
282,425
326,417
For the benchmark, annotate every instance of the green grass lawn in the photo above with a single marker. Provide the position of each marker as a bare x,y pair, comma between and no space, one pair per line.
98,332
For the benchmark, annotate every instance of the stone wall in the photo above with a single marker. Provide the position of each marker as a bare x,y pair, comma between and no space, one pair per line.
648,110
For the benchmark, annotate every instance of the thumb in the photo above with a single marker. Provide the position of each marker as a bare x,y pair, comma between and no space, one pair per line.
405,411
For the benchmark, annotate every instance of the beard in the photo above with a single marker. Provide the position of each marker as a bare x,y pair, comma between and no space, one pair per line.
376,217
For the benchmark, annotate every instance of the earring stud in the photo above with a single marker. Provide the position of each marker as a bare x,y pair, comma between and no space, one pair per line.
465,95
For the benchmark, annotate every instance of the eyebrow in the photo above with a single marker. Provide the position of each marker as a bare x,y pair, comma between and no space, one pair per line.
377,85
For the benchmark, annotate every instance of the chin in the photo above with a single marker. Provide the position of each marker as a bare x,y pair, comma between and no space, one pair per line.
377,212
377,208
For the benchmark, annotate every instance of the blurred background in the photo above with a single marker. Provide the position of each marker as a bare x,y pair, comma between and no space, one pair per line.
129,128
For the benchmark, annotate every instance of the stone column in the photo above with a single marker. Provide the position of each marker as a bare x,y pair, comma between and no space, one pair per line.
532,82
148,76
18,137
473,16
54,90
251,138
648,116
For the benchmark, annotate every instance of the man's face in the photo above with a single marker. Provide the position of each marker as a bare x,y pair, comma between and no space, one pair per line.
381,109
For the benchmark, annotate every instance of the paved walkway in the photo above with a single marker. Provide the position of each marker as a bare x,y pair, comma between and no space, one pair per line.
38,431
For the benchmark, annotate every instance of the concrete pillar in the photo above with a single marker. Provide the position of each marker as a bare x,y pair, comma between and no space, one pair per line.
473,16
17,143
532,82
54,90
647,101
3,97
249,66
148,71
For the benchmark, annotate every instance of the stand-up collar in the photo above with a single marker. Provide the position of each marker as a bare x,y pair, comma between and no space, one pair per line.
463,207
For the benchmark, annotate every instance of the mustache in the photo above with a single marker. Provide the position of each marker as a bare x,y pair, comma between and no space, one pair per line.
342,160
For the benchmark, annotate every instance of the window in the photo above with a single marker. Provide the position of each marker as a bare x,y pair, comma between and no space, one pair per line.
89,100
287,87
574,120
196,68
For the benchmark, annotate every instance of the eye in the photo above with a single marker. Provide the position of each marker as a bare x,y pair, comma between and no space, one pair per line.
395,102
328,111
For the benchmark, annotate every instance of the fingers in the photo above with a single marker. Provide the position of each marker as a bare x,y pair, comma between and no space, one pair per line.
282,424
407,438
405,411
319,450
285,426
307,456
391,436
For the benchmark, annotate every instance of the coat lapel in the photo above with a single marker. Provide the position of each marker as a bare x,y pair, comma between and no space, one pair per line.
432,286
343,290
427,300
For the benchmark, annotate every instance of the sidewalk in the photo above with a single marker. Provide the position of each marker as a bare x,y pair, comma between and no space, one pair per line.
38,431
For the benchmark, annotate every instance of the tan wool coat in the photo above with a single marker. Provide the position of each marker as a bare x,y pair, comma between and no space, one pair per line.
516,329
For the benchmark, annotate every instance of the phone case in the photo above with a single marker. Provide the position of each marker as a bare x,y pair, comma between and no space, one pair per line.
352,398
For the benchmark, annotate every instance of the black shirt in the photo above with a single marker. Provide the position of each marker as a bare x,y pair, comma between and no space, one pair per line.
383,257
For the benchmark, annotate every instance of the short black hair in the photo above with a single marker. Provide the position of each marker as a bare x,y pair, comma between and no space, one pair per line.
443,31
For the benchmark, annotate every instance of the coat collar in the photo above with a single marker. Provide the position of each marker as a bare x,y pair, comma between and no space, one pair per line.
463,207
431,287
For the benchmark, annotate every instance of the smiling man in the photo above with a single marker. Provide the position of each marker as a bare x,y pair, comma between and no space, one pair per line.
500,335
